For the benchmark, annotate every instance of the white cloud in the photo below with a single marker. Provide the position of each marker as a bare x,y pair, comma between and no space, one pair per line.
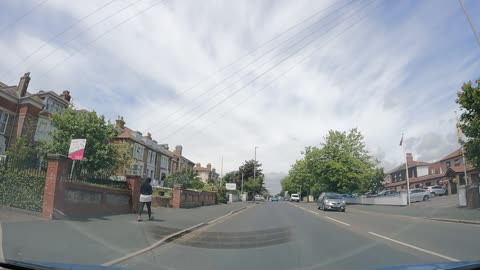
396,71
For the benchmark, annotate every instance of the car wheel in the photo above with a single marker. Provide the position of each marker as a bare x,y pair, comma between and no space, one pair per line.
344,209
433,194
318,207
425,197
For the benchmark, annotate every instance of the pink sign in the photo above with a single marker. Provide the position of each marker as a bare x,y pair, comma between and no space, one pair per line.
77,149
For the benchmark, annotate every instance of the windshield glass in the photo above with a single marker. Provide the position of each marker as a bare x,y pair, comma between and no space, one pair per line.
333,196
254,134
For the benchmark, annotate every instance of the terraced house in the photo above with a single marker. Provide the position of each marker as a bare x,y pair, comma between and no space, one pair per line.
23,114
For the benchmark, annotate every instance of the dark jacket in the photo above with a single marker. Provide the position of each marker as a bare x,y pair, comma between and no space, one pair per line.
146,189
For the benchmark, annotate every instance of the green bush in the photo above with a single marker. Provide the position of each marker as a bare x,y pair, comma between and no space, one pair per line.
21,191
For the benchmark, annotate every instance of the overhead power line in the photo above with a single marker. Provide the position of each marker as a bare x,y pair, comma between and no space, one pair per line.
102,35
54,37
22,16
195,135
282,33
255,69
78,35
262,74
472,26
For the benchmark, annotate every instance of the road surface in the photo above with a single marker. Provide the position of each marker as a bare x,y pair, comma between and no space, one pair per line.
284,235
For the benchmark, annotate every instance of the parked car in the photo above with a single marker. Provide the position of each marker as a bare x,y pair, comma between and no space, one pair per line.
419,194
295,198
274,199
259,198
437,190
331,201
387,193
370,194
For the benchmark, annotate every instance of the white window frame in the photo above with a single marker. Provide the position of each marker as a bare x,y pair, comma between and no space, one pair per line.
5,123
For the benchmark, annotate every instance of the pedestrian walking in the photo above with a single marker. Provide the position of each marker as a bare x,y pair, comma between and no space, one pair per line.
145,198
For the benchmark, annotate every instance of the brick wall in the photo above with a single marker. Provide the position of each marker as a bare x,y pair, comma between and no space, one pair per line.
63,198
184,198
160,201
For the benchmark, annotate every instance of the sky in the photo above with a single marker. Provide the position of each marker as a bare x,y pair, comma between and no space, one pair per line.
221,77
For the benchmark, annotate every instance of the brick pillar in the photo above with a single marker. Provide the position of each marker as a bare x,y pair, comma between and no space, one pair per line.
57,171
177,196
134,183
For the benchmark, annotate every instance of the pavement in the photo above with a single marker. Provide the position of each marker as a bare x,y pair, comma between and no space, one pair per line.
284,235
95,240
442,208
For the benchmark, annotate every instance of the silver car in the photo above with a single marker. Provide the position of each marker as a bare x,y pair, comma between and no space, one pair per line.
419,194
437,190
331,201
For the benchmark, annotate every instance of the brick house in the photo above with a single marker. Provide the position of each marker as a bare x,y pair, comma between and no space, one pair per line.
206,173
178,162
23,114
418,172
454,169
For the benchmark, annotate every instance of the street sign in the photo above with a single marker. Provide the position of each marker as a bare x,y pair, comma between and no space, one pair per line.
77,149
231,186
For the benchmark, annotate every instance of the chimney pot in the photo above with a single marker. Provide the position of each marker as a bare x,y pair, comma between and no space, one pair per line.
66,95
120,123
23,84
209,166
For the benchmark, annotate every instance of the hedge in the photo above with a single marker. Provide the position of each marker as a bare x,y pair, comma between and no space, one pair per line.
21,191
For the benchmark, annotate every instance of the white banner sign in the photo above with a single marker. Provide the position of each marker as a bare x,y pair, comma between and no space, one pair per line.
77,149
231,186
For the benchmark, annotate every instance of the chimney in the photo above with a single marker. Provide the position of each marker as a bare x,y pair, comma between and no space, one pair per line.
149,135
178,150
209,166
119,122
23,84
66,95
166,146
409,158
198,165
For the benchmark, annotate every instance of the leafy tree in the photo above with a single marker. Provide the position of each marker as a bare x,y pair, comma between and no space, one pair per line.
469,100
188,179
25,154
341,164
101,156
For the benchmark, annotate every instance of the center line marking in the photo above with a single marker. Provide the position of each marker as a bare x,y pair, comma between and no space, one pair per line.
417,248
341,222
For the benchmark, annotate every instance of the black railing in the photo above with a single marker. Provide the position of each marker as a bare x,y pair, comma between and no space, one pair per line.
32,167
97,179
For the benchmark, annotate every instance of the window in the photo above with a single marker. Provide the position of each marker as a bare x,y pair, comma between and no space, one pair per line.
456,162
448,164
3,122
432,171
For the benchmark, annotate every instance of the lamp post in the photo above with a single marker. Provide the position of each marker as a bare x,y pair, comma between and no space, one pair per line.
255,163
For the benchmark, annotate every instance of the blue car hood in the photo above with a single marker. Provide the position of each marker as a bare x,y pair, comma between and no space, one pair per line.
465,265
70,266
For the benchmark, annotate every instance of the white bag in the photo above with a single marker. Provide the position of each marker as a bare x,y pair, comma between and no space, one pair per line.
145,198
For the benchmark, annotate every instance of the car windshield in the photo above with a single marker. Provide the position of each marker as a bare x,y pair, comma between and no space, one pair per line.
333,196
223,134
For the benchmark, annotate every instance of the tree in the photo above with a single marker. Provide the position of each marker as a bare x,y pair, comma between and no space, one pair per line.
341,164
101,156
25,154
469,100
188,178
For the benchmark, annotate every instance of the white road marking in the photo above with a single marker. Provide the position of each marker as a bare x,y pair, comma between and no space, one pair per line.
2,258
415,247
341,222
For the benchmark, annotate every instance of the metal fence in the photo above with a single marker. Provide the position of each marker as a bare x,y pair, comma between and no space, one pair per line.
99,179
31,167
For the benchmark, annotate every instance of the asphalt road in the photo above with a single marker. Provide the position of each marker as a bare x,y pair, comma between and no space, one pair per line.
283,235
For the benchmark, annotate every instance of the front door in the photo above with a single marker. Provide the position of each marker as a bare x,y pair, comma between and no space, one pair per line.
453,187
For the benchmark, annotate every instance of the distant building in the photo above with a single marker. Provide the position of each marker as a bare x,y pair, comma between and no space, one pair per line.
178,162
396,179
454,168
53,103
207,174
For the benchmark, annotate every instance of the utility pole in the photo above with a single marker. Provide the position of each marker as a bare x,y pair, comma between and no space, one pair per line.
459,134
255,163
241,189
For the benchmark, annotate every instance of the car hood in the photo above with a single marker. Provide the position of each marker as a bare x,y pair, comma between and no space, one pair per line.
60,266
464,265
